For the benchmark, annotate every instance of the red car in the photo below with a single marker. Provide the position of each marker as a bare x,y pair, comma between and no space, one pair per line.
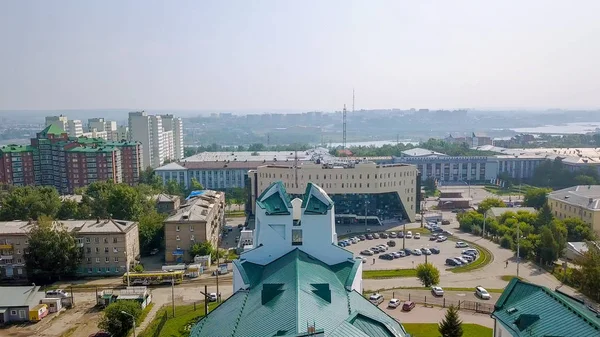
408,306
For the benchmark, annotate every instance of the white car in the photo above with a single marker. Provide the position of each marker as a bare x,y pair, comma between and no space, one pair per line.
461,244
463,261
417,235
354,240
416,252
468,258
482,293
394,303
437,291
383,246
409,235
212,297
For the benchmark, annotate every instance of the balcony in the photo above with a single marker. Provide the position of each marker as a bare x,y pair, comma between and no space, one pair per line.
6,257
6,246
80,244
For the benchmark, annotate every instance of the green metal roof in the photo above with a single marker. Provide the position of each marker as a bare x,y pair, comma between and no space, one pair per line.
16,148
527,309
87,140
275,200
291,292
52,129
85,149
315,200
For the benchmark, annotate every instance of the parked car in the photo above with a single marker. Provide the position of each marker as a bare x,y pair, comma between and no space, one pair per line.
362,237
461,244
469,258
437,291
416,252
435,250
463,261
154,251
354,240
375,250
445,222
426,251
240,226
427,226
408,306
441,238
409,235
417,235
393,235
212,297
482,293
386,257
394,303
452,262
407,251
376,299
342,244
396,255
400,235
471,251
383,235
433,237
375,236
447,232
57,293
369,236
391,243
401,253
367,252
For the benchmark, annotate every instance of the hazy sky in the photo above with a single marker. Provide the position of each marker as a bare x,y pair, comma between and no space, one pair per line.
301,55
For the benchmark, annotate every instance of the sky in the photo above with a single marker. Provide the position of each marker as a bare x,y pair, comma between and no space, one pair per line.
299,55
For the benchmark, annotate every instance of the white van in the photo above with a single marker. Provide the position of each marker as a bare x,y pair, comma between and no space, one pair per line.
376,299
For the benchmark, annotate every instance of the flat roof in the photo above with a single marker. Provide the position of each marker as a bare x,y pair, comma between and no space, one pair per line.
196,208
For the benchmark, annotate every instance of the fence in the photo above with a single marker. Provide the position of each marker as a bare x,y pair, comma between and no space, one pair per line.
444,303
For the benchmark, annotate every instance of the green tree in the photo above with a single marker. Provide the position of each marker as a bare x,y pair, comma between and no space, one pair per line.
536,197
172,187
201,249
113,319
589,269
488,203
429,186
22,203
451,325
68,210
585,180
151,229
52,252
195,185
548,249
560,234
577,230
124,202
428,274
147,175
544,216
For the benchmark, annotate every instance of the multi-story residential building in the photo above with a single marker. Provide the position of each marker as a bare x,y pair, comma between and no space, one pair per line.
59,121
363,191
197,220
160,138
108,245
121,133
581,202
67,163
223,170
75,128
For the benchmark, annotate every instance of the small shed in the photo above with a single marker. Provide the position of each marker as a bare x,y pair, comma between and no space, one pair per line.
54,304
38,312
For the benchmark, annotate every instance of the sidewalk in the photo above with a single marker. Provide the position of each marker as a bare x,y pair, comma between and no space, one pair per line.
149,318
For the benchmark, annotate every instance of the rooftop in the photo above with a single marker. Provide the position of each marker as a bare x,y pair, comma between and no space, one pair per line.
19,296
12,148
419,152
196,208
292,291
587,196
275,200
51,129
499,211
257,156
527,309
79,226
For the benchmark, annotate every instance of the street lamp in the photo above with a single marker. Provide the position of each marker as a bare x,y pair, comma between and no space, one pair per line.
483,231
132,317
518,245
366,203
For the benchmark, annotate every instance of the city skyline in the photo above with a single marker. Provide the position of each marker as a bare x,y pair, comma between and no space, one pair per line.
298,56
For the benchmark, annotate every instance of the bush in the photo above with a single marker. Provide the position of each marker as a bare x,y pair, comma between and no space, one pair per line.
506,241
138,268
476,230
115,321
428,274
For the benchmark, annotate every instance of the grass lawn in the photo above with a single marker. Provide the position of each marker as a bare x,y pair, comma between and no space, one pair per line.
391,273
180,325
513,190
431,330
235,214
508,278
485,258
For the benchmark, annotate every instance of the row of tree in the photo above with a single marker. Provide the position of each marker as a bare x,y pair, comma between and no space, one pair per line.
432,144
256,147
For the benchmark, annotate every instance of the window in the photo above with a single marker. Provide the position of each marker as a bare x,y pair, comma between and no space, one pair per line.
116,259
115,240
19,261
97,250
177,229
18,251
97,240
115,250
106,249
89,260
178,247
296,237
89,270
177,238
191,228
105,240
192,238
87,240
26,242
13,312
107,259
88,250
97,260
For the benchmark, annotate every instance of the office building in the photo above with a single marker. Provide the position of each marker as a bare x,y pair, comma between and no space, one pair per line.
526,309
365,189
161,139
223,170
198,219
295,281
107,245
55,159
581,202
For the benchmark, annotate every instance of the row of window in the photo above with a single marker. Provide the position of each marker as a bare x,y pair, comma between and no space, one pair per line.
106,260
97,240
103,270
97,250
341,176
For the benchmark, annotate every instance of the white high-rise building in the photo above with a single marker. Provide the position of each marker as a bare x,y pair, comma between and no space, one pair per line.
175,124
120,133
75,128
60,121
158,136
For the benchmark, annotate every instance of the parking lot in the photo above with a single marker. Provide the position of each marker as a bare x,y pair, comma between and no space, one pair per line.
447,250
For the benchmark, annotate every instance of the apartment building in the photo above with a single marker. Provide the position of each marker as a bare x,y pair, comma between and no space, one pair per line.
60,122
55,159
108,246
161,137
582,202
75,128
360,190
197,220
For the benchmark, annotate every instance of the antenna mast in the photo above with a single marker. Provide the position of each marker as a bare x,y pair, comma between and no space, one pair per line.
296,167
344,132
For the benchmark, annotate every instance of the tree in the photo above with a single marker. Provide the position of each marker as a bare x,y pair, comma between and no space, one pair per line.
124,202
115,321
23,203
428,274
536,197
544,216
488,203
451,325
52,252
578,230
548,250
151,229
429,186
201,249
68,210
589,270
195,185
560,233
172,187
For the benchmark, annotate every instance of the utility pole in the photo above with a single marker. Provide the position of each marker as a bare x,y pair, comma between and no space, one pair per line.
206,297
518,248
366,203
344,127
404,235
173,294
483,232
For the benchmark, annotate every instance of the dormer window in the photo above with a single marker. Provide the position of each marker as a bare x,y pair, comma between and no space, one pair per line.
296,237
